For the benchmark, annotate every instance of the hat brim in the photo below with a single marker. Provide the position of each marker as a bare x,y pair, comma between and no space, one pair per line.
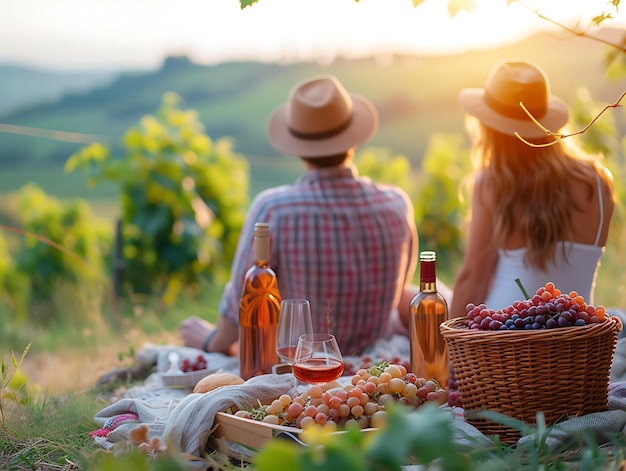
472,101
362,127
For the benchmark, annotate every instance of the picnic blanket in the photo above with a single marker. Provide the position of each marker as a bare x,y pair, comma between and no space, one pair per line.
184,420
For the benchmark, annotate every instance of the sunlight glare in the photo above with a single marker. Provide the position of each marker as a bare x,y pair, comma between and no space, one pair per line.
140,33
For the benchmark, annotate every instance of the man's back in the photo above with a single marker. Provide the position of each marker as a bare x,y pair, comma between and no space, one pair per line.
342,242
347,245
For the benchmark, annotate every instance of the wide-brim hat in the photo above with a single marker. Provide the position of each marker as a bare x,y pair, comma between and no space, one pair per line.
320,118
510,83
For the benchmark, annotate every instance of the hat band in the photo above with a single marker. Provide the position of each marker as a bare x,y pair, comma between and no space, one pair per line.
515,112
324,134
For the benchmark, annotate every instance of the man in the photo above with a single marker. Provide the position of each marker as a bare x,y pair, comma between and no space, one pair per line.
343,242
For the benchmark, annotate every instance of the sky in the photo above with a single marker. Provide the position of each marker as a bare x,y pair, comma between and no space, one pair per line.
139,34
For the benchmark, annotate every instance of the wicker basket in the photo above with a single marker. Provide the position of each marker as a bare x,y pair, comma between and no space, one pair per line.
563,372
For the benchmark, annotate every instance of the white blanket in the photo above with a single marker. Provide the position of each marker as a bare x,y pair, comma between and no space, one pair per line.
185,420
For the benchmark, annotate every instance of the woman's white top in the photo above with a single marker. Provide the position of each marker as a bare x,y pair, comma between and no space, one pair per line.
574,268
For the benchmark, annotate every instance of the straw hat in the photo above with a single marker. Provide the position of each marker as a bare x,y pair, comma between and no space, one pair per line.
321,119
498,104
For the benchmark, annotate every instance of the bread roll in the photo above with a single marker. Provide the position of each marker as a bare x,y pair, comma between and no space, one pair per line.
215,380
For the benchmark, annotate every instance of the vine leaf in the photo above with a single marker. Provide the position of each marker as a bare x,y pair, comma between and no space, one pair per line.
595,21
247,3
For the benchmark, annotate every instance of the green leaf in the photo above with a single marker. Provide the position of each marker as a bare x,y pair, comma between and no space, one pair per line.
430,432
337,456
425,433
276,451
396,433
596,20
169,463
133,461
153,219
247,3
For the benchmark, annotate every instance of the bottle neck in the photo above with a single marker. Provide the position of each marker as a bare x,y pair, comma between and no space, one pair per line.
261,263
428,276
261,251
428,287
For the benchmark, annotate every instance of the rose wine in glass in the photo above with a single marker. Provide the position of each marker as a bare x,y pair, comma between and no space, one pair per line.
318,359
294,321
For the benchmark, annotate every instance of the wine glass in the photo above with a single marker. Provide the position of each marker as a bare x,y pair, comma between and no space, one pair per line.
318,359
293,321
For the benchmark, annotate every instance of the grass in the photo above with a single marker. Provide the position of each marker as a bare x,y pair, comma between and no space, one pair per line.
45,425
47,411
51,433
73,356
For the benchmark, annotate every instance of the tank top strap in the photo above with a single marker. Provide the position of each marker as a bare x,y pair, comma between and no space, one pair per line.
601,204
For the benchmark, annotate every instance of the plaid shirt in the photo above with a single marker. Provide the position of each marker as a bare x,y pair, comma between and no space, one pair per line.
346,244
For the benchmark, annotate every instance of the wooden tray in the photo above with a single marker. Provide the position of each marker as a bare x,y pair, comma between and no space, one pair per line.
248,432
252,433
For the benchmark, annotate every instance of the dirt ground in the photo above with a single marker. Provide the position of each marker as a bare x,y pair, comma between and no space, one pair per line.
71,370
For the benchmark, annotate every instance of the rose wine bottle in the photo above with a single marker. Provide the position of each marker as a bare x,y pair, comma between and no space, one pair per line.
428,309
259,310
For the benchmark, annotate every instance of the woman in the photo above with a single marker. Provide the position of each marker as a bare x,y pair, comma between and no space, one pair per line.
539,212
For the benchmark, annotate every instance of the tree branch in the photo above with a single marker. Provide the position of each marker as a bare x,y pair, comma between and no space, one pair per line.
573,31
617,104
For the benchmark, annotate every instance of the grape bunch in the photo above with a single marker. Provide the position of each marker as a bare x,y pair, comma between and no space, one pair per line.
547,309
360,403
198,363
367,362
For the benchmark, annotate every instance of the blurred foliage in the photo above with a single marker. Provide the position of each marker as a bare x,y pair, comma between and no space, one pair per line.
433,189
183,200
62,249
385,166
428,439
6,263
422,437
603,138
439,211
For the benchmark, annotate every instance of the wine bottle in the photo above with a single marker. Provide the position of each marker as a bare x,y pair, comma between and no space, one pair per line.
428,309
259,309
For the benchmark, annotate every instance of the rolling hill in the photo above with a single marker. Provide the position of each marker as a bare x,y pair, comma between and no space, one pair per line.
416,96
22,86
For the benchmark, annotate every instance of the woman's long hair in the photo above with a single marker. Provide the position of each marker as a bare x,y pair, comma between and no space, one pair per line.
529,187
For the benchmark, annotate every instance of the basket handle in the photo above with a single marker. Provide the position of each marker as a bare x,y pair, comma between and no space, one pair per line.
618,322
